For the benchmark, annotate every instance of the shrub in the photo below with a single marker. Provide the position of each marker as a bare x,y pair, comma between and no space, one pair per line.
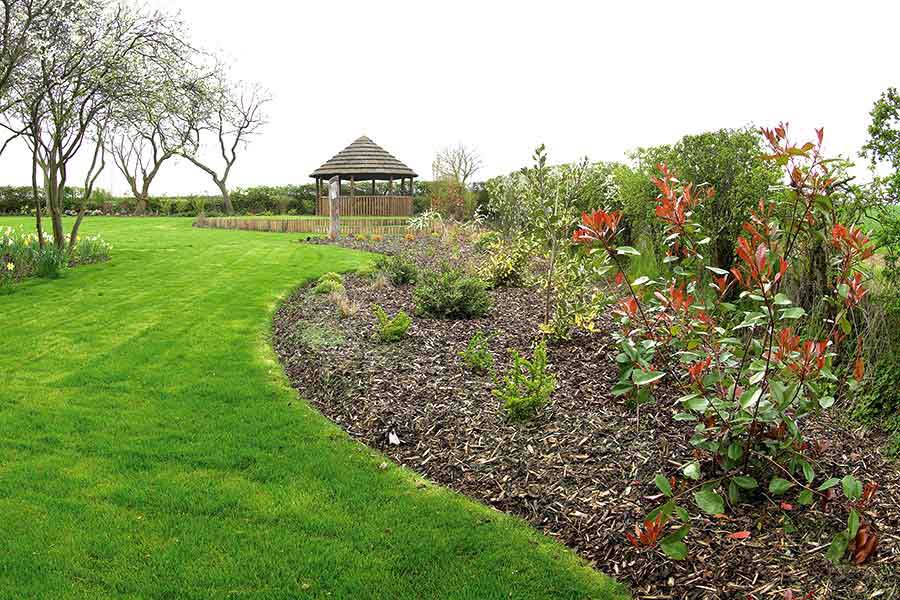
487,240
880,404
329,283
391,329
527,385
199,205
748,377
477,356
451,294
399,270
578,302
507,264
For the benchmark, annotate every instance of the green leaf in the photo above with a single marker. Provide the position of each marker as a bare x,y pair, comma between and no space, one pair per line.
778,486
735,451
805,498
777,389
665,510
734,492
717,270
709,502
853,523
692,470
663,484
685,417
750,397
782,300
830,483
673,545
852,487
640,281
808,471
621,388
838,547
795,312
699,404
747,483
826,401
627,250
646,377
845,325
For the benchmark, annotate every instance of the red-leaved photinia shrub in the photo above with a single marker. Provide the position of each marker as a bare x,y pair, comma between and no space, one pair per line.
747,374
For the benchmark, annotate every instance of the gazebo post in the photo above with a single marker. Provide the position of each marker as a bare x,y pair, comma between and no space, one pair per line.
318,192
373,186
334,208
391,185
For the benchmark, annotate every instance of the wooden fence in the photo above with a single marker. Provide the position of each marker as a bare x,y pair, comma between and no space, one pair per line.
349,226
370,206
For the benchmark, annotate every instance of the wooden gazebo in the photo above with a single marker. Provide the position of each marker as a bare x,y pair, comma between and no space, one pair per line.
362,162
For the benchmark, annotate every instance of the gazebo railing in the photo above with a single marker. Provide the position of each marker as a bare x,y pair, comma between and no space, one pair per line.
369,206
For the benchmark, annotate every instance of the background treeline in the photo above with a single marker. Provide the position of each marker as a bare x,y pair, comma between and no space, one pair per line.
255,200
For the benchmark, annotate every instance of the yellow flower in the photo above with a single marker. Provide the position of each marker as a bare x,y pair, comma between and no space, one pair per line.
10,267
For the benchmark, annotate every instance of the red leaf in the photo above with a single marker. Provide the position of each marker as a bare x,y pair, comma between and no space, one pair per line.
787,506
859,369
739,535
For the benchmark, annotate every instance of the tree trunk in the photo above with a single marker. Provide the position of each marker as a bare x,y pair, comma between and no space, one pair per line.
140,205
73,238
55,193
226,197
815,284
38,203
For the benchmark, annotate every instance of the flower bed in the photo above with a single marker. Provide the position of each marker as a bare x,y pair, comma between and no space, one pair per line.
583,468
22,255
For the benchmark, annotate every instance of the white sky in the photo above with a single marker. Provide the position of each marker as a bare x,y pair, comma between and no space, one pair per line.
585,78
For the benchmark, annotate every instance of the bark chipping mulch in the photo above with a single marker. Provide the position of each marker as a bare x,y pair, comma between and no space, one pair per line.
582,470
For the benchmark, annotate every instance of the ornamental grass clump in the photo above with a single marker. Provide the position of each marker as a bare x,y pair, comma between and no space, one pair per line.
747,373
451,294
526,387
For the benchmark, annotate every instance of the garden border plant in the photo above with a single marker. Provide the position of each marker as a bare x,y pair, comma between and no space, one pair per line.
747,376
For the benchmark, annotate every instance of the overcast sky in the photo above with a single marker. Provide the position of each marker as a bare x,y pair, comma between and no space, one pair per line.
586,78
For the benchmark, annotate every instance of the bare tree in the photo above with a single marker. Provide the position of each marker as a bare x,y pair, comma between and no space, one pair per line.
458,163
236,115
20,21
153,127
68,94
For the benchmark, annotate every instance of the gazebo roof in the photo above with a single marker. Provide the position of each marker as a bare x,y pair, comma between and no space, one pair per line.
364,159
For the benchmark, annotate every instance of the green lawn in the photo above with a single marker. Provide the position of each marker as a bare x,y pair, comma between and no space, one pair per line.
151,448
